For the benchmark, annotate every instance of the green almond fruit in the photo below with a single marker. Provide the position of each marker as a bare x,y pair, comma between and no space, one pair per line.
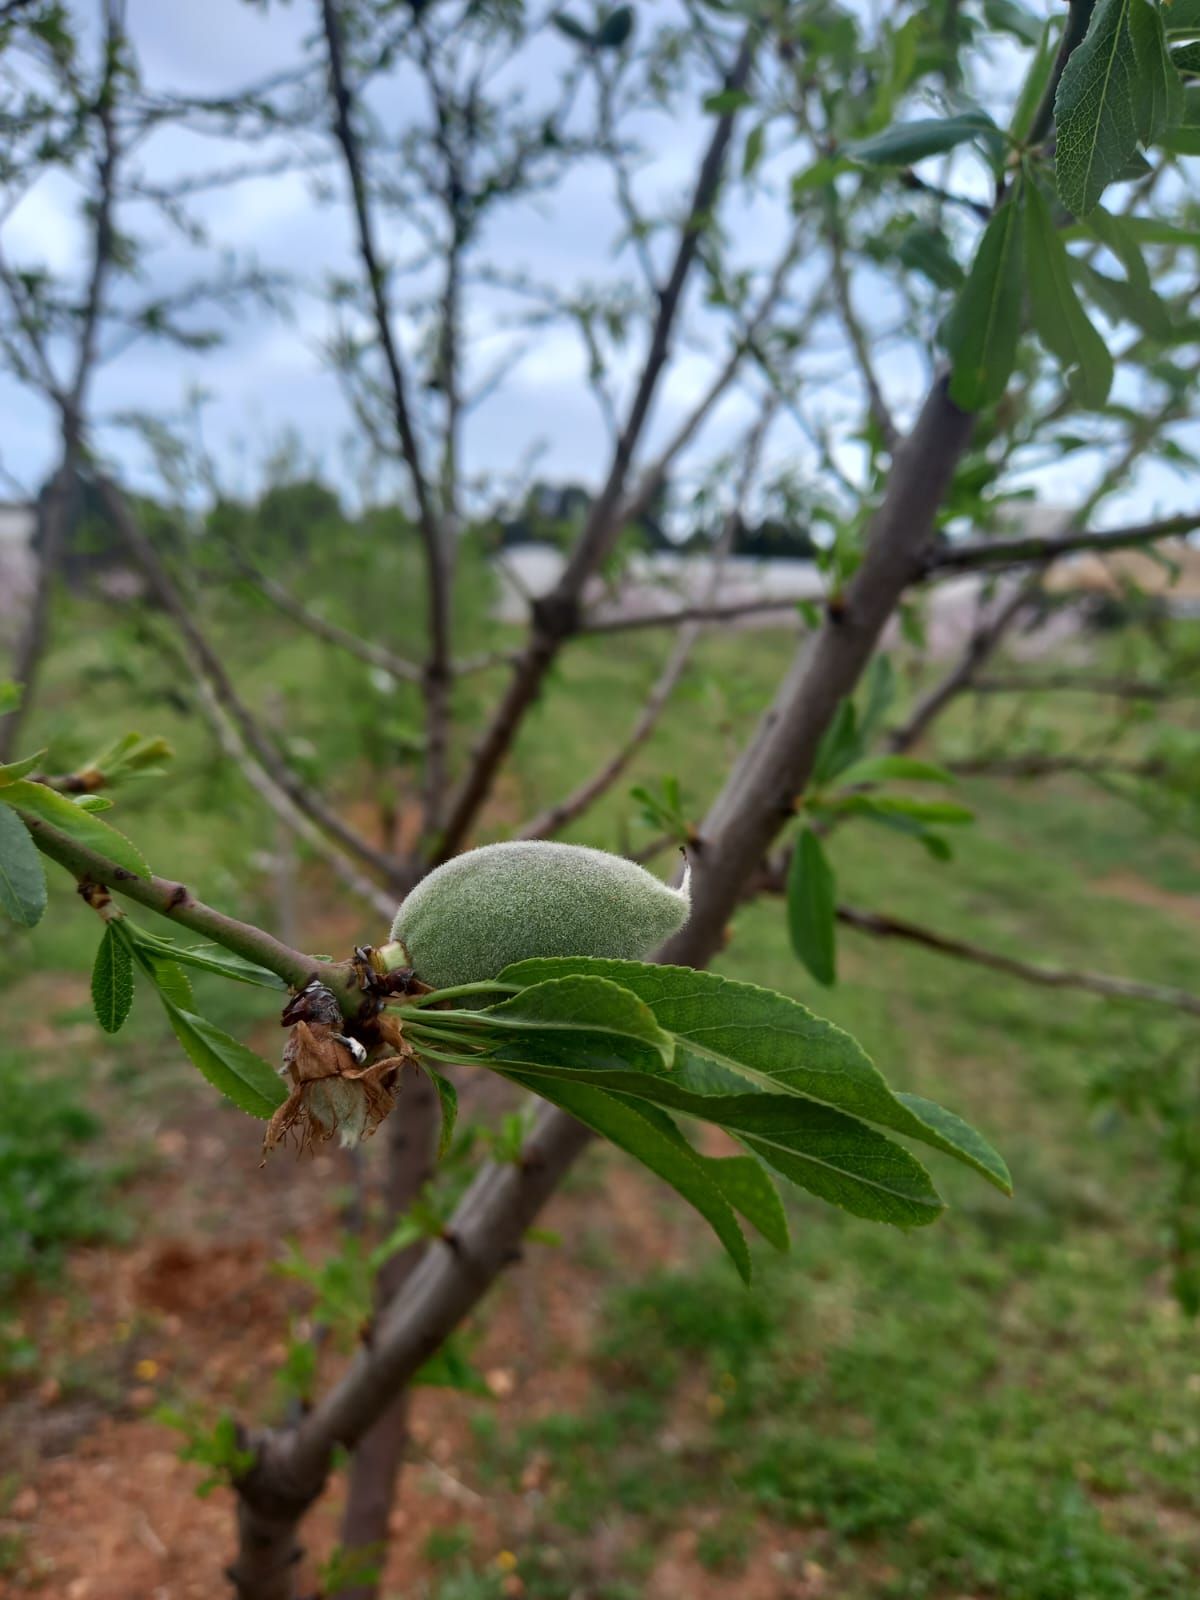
480,912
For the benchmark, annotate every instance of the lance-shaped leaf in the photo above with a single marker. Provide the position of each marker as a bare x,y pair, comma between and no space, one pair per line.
112,981
574,1020
906,142
1158,89
750,1190
1060,320
243,1077
888,769
1095,108
448,1100
982,330
22,876
82,826
811,907
209,958
733,1037
639,1131
10,771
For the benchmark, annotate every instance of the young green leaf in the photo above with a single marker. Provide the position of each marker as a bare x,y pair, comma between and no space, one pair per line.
1096,108
907,142
841,743
652,1138
1036,81
750,1190
22,876
1060,320
12,770
81,826
1158,89
209,958
888,769
243,1077
982,330
943,812
734,1037
112,981
577,1021
811,907
448,1098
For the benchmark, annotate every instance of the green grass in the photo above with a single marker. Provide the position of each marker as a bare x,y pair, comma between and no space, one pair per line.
1005,1404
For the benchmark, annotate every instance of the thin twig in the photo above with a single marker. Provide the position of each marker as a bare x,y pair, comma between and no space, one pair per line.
1031,549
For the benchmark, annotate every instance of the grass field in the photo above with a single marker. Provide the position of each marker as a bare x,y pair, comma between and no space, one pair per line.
1005,1404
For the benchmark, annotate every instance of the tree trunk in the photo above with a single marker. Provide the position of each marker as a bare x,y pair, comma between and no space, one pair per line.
375,1468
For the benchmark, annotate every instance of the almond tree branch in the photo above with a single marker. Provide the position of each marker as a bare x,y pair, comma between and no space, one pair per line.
971,554
373,654
878,406
174,901
886,927
556,615
437,565
1038,765
1079,683
701,612
102,232
206,663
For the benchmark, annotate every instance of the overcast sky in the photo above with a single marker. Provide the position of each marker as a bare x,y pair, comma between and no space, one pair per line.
270,379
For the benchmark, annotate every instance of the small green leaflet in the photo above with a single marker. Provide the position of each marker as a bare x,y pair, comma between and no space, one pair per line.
11,771
984,325
1036,81
81,826
811,896
906,142
887,769
22,876
448,1098
112,981
1060,320
841,743
577,1021
210,958
243,1077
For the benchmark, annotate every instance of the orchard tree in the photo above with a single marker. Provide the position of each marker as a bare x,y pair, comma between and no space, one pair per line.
952,166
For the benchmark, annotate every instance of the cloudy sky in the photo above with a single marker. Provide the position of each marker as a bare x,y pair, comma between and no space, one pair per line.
270,381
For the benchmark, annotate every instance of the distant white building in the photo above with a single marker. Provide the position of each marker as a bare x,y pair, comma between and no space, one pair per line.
18,520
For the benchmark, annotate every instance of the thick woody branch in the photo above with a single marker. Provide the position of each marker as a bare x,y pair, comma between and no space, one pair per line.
556,615
1101,983
972,554
103,236
178,904
207,664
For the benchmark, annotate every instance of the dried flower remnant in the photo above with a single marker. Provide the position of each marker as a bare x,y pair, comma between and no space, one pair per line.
332,1091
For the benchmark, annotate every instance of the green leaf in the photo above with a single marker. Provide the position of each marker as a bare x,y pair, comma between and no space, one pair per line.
112,981
1181,16
1095,109
927,251
567,25
13,770
650,1136
1036,81
448,1098
727,100
615,29
1186,57
811,907
10,696
92,802
753,152
170,981
576,1021
80,826
209,958
887,769
983,328
907,142
1158,99
880,682
22,875
750,1190
944,812
841,743
1060,320
243,1077
732,1037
